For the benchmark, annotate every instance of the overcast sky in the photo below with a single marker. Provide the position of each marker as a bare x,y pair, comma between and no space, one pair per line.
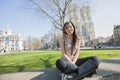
105,15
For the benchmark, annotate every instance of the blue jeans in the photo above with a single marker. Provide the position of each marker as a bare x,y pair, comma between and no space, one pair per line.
67,67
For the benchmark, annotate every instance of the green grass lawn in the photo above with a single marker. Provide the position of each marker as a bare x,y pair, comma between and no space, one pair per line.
36,60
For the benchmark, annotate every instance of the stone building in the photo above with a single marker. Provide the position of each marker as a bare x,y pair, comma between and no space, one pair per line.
101,40
116,34
83,22
10,42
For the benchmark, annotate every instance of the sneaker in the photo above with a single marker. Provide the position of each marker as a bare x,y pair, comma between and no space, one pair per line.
64,77
67,76
70,76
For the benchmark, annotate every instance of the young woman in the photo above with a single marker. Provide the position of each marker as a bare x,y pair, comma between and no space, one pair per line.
69,62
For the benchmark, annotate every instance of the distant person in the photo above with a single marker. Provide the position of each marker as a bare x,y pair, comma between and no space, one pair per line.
69,62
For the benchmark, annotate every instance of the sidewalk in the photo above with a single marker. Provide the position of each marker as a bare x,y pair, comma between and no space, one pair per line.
108,70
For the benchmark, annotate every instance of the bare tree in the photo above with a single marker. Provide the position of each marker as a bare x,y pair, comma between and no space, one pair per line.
29,45
36,44
55,10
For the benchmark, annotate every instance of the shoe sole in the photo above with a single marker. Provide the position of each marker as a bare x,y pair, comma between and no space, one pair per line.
81,77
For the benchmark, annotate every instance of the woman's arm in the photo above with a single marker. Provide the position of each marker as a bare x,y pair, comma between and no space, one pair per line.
77,52
63,50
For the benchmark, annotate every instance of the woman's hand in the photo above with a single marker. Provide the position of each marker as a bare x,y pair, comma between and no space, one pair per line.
72,57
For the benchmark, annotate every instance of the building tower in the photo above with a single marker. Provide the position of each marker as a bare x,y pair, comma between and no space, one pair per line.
74,16
87,27
83,23
116,35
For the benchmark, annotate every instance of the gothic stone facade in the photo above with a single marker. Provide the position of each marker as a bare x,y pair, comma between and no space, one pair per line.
83,22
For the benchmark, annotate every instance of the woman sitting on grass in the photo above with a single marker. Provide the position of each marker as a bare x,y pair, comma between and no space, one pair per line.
69,62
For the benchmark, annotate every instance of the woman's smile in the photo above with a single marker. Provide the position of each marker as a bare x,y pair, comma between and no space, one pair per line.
69,29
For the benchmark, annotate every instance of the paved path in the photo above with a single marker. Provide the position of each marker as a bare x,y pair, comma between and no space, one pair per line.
108,70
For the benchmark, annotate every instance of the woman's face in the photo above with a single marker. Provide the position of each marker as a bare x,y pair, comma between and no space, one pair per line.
69,29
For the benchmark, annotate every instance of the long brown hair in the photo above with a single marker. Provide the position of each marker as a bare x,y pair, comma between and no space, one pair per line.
75,36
